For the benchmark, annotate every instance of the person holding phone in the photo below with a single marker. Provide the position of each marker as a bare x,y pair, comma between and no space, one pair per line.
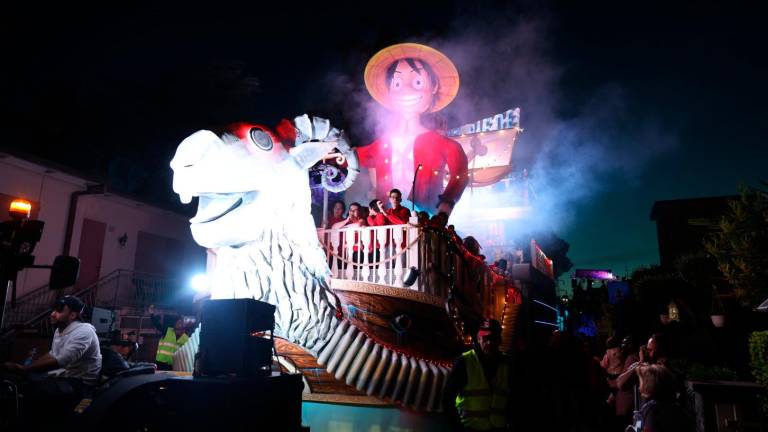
378,215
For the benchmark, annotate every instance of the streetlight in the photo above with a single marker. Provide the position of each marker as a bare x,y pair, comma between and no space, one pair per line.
20,209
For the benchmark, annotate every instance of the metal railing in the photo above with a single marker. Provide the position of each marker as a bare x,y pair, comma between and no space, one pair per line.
119,288
31,305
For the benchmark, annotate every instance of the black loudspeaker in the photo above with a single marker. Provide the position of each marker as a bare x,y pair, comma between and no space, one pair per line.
233,339
244,316
239,355
64,272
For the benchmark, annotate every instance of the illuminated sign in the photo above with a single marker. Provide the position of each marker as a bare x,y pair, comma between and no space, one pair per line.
540,261
509,119
488,144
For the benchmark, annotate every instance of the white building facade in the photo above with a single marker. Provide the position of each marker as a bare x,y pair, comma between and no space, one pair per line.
105,230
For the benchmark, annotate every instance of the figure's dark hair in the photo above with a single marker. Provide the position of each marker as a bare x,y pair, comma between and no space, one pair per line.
412,63
395,190
374,204
343,206
355,204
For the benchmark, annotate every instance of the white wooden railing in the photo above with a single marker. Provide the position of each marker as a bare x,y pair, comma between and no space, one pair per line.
443,266
382,254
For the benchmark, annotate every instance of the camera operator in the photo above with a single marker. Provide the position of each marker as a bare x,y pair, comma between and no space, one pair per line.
73,364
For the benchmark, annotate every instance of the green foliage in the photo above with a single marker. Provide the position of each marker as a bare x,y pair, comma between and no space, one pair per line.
758,360
741,246
703,277
698,371
699,269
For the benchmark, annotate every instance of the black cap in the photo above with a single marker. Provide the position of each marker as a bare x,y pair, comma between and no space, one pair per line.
492,325
74,304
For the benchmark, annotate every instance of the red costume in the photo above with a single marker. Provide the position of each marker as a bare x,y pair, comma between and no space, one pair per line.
378,220
434,152
398,216
332,220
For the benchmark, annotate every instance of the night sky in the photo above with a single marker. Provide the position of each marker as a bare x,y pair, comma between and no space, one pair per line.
627,103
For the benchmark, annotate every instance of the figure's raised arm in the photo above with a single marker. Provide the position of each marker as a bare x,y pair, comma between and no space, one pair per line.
458,170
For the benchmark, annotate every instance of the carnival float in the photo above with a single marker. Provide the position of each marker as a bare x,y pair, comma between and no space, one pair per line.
367,314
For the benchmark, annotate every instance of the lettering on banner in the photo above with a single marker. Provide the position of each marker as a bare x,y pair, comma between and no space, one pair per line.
509,119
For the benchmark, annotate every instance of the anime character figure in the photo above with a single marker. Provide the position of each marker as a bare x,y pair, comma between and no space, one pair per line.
410,80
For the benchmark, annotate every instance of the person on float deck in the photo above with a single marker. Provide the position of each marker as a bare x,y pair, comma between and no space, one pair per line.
378,216
397,213
337,213
410,80
353,220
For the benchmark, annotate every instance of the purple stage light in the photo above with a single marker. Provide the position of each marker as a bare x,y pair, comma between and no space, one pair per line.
595,274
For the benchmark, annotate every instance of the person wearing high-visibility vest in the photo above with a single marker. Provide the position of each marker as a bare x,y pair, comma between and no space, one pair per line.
477,390
173,338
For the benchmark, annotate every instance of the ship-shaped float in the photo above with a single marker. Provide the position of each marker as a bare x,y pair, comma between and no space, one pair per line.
368,315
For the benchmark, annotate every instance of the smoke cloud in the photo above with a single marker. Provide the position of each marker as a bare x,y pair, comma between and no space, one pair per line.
570,147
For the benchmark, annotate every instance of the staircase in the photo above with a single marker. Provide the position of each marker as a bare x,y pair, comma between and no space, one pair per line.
508,321
118,289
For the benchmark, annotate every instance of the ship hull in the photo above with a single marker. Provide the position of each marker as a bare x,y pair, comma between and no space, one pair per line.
396,348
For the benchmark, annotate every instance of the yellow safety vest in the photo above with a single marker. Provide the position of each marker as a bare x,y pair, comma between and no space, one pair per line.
168,346
480,405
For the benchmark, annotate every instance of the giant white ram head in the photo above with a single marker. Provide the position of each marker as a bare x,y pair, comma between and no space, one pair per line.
254,211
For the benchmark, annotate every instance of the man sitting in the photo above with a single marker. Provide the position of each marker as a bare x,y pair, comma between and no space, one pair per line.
73,363
116,358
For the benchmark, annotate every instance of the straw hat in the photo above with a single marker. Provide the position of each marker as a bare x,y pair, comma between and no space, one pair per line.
447,75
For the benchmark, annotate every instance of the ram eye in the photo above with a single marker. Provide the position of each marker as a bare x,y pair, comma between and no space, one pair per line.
261,139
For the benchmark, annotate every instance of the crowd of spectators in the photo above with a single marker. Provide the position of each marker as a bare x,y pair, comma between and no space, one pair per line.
574,384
